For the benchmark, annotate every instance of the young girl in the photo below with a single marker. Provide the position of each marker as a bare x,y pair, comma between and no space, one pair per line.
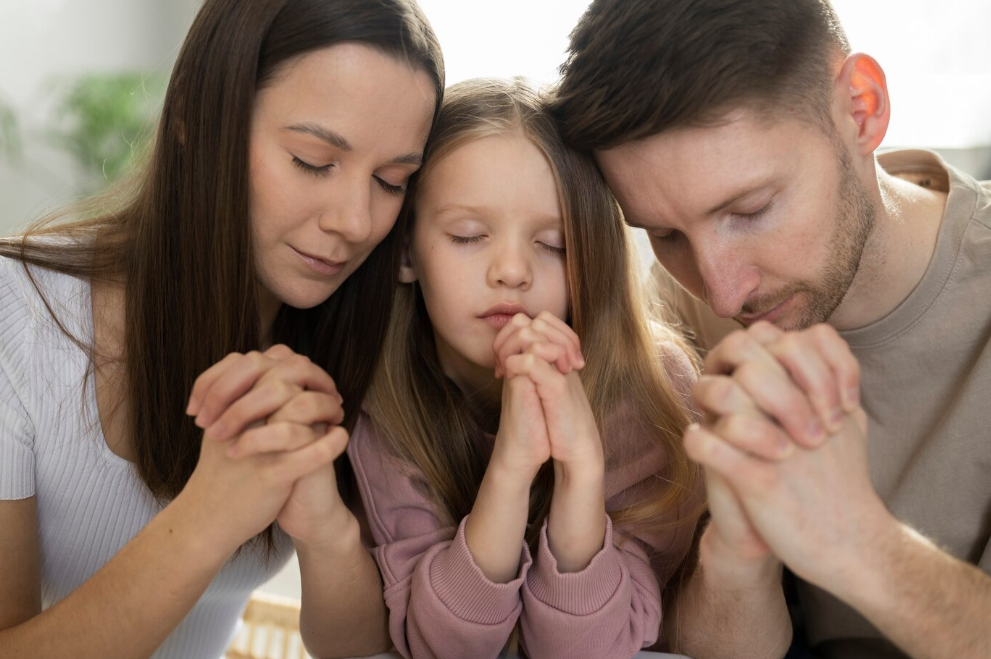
503,490
265,215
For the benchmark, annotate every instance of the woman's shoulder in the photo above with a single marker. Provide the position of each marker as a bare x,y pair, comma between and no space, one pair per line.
31,294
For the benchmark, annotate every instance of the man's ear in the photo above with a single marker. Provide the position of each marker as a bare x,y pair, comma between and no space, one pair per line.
407,272
861,105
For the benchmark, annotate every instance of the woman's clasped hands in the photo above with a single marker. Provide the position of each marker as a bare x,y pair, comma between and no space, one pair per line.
271,423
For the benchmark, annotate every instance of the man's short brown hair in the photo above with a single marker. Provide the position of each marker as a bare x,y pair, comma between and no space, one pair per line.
639,67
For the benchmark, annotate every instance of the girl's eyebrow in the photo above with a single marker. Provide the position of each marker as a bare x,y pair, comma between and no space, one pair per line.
448,209
337,140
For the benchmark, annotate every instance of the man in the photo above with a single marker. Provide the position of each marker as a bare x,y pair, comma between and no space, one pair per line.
741,135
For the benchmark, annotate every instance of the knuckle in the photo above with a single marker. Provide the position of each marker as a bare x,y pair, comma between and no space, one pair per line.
280,389
737,341
749,372
823,332
790,343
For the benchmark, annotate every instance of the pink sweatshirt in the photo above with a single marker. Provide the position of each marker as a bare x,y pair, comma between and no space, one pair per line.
442,605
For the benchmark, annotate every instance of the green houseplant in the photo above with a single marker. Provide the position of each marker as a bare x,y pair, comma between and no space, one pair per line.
103,120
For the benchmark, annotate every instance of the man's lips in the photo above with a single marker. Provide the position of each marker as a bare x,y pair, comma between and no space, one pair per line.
320,265
498,315
770,315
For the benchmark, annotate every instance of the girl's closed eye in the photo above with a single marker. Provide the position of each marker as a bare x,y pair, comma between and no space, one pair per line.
466,240
552,242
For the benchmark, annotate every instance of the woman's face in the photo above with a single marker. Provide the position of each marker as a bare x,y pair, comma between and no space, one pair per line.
335,136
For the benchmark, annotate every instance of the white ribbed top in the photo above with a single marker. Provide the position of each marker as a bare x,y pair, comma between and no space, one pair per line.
90,501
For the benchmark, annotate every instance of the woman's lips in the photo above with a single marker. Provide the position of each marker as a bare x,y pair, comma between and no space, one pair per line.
320,266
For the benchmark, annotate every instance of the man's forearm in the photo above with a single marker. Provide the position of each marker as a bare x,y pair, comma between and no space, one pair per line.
716,615
930,604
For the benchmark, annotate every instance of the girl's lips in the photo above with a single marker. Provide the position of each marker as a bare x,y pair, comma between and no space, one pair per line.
326,268
499,314
498,320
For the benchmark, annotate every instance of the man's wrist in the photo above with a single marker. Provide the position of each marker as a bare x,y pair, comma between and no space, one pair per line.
859,570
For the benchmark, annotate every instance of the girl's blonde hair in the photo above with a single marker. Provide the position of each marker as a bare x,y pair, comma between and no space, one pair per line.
426,418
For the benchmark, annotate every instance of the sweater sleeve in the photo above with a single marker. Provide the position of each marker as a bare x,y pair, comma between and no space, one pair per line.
440,603
612,608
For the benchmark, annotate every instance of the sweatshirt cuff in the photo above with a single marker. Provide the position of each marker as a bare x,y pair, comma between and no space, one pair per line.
576,593
465,590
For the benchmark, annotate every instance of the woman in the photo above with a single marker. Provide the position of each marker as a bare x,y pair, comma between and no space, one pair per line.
290,131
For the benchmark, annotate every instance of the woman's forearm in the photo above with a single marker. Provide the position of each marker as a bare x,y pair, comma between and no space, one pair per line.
343,612
129,607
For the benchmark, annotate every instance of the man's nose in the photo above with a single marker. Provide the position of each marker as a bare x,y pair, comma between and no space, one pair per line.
727,277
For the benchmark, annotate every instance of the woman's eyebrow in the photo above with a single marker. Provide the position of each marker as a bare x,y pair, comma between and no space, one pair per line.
331,137
337,140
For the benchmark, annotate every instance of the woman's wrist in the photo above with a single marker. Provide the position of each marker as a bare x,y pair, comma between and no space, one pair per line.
203,526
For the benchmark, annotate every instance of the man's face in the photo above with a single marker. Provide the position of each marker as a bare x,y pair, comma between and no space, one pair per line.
762,221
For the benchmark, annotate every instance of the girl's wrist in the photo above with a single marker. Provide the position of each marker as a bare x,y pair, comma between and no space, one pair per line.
581,473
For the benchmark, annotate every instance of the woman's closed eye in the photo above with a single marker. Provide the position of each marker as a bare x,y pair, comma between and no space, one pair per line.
316,170
395,190
557,250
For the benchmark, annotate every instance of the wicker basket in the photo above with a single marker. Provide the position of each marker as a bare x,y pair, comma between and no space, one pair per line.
270,630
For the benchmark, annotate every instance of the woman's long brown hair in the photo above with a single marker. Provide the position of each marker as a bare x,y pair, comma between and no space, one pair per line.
178,238
426,418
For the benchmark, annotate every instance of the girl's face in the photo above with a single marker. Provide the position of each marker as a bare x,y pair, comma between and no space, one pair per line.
488,242
334,138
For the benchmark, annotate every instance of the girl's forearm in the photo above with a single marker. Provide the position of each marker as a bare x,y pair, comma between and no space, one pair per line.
130,606
496,529
576,524
343,612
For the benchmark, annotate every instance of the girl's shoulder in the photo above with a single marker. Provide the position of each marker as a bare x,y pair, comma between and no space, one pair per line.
680,360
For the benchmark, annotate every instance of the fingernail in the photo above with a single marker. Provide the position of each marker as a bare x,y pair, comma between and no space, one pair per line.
191,408
199,420
836,417
852,397
785,447
815,430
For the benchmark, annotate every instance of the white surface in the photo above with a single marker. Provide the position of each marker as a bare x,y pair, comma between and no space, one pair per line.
640,655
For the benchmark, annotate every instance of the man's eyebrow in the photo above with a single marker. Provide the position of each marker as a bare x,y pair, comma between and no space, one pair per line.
336,139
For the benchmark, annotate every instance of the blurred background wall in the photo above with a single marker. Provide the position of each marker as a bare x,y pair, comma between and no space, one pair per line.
73,73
